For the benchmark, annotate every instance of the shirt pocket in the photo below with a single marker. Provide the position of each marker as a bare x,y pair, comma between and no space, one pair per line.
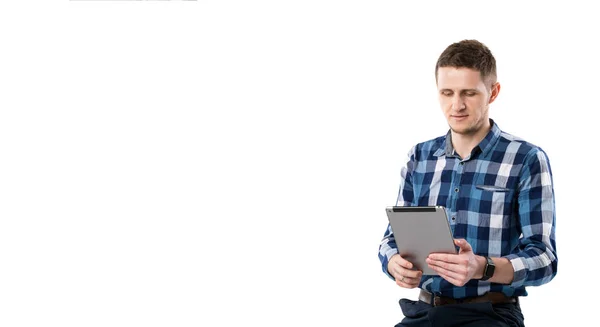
492,188
493,201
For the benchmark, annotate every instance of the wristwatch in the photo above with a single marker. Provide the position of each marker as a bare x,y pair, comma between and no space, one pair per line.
488,271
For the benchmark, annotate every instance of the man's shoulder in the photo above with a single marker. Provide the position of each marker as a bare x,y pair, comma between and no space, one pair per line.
429,147
517,144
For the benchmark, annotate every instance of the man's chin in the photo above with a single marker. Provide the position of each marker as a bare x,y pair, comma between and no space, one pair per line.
462,130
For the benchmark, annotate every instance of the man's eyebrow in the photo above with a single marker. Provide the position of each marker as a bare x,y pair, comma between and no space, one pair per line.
462,90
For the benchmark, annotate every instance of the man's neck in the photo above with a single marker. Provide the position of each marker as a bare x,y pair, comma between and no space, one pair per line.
464,143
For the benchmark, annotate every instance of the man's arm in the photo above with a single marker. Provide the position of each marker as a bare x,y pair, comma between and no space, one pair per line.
536,262
388,247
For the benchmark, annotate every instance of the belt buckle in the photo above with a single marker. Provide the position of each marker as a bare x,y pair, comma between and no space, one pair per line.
439,300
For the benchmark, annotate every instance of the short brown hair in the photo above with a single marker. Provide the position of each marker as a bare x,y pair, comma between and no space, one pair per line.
469,54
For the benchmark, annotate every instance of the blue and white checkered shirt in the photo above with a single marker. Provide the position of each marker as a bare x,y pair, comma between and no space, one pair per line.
499,198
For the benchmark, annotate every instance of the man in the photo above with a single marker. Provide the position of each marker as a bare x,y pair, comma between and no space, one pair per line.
498,194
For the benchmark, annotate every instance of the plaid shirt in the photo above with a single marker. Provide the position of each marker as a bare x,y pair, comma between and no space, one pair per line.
499,198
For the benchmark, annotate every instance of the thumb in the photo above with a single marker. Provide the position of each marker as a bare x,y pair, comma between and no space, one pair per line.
463,245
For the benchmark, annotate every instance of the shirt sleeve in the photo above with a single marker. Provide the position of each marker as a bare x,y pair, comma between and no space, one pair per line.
535,262
388,247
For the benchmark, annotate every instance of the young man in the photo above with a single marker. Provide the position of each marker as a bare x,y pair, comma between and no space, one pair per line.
498,194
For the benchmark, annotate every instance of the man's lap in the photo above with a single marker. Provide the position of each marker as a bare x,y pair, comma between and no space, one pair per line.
418,313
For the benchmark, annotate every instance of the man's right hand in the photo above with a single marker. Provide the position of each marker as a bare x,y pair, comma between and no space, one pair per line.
400,269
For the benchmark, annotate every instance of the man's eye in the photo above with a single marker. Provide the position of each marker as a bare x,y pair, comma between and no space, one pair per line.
470,94
446,93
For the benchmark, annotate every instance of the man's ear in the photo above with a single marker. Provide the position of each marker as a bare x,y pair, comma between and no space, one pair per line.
494,92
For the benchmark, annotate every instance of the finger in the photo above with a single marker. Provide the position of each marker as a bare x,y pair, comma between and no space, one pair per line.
463,244
414,274
410,273
406,284
452,280
402,284
402,262
454,272
459,267
411,280
397,272
402,272
445,257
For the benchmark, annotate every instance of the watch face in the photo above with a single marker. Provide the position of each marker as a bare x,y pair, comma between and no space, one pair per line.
489,268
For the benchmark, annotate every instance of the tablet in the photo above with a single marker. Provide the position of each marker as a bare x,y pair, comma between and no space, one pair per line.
420,231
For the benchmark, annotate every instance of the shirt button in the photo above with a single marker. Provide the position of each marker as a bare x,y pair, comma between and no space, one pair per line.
453,218
456,190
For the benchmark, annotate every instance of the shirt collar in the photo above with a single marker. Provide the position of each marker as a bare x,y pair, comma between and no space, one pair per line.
484,146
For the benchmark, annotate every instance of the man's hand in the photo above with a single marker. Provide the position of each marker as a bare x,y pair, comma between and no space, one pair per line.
459,268
403,273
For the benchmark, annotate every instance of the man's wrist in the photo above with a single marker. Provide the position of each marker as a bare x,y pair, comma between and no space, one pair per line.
481,263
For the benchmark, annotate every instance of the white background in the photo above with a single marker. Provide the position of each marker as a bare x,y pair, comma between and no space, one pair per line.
226,163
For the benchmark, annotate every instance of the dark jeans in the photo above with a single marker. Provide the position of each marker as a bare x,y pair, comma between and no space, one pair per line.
421,314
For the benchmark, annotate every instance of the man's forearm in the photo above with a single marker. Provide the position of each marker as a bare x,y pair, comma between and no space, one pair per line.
503,274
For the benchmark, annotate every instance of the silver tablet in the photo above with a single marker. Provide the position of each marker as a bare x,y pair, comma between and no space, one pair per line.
420,231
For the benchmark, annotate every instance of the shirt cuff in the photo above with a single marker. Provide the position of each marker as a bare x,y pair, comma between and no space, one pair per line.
520,270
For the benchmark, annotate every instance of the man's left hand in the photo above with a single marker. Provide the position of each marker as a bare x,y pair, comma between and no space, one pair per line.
459,268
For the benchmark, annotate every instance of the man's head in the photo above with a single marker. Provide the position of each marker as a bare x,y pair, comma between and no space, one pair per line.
469,54
466,80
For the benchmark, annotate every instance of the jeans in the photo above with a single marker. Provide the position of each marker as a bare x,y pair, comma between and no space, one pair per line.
421,314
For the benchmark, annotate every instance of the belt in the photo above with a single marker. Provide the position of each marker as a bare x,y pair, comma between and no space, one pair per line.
493,297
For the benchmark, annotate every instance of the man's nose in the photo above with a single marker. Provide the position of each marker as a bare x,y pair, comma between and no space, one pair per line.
458,103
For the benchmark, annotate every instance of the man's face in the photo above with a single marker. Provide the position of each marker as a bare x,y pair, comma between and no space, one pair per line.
464,99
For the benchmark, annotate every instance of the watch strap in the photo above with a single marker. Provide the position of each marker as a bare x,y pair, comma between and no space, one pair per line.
488,271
